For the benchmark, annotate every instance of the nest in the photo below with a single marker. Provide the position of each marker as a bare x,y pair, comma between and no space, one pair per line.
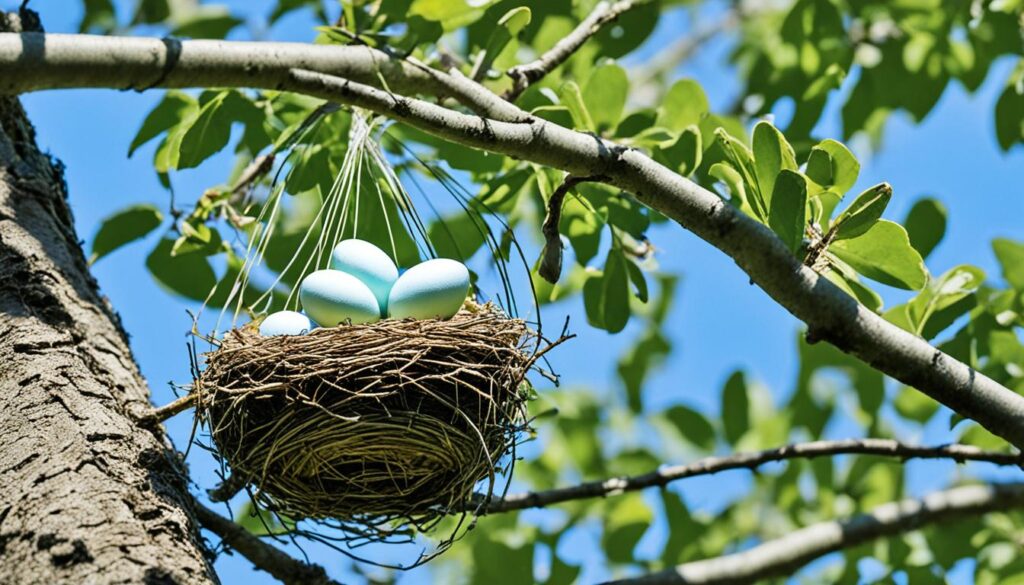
391,424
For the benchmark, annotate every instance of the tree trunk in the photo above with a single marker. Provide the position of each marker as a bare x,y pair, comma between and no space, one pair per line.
86,494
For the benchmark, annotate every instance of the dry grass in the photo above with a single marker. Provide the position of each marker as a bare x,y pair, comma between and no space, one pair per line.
377,427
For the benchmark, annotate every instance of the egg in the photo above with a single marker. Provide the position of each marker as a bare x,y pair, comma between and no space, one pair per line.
331,297
369,264
431,289
286,323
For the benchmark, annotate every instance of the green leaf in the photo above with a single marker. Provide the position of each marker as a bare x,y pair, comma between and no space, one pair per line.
573,99
615,292
819,167
639,361
942,293
683,155
635,123
452,14
865,210
261,522
692,426
197,238
926,225
636,276
127,225
173,109
914,405
772,154
733,181
742,160
1011,257
559,115
845,167
582,227
509,27
206,22
99,16
735,407
788,216
604,95
853,287
457,236
189,275
624,526
884,254
684,104
208,134
496,562
1009,115
310,167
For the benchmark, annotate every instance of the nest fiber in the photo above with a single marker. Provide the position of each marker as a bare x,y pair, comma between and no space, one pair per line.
390,423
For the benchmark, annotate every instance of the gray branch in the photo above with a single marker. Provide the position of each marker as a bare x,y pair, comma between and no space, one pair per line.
529,73
785,555
33,61
667,474
280,565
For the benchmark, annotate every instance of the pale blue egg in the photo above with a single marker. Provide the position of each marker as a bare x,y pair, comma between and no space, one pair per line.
285,323
369,264
331,297
431,289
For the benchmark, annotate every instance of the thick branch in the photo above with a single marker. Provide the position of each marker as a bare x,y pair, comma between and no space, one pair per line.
264,556
34,61
529,73
829,313
711,465
783,556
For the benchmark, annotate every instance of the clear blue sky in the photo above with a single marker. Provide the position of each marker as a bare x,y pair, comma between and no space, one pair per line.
720,322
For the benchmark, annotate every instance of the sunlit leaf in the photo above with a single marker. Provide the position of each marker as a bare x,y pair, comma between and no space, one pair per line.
123,227
884,254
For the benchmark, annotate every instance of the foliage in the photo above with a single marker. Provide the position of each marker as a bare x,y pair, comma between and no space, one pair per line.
872,58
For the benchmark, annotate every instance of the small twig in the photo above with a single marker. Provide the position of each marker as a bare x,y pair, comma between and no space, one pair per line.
529,73
667,474
162,413
258,168
551,258
228,488
819,245
279,564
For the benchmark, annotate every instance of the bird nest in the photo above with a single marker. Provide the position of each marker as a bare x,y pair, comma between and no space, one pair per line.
378,426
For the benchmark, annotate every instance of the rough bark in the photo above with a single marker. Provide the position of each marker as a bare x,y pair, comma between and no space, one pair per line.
87,496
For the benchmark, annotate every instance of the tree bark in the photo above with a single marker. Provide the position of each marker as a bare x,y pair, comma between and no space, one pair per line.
87,495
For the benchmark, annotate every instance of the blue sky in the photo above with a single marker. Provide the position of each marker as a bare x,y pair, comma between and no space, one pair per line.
720,322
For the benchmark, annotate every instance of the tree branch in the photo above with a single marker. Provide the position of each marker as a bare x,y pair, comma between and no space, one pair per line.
785,555
830,314
711,465
529,73
283,567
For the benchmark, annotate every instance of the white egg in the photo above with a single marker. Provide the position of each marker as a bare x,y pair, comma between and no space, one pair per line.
331,297
431,289
369,264
285,323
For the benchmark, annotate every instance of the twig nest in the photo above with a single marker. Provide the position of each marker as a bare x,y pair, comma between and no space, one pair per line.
393,423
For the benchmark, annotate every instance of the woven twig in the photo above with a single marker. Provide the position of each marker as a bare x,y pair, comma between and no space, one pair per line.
375,428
